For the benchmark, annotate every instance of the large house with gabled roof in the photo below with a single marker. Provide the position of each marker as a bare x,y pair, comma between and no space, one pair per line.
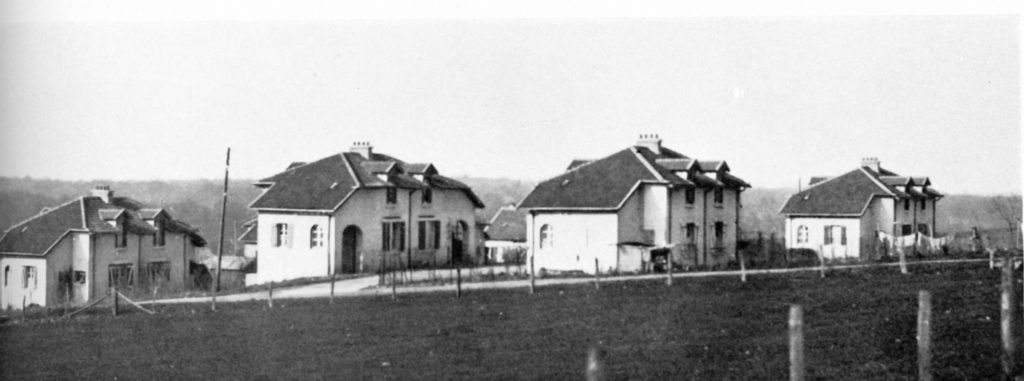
636,207
843,217
75,252
359,211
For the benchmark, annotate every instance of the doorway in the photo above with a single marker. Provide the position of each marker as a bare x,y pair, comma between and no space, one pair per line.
351,240
459,236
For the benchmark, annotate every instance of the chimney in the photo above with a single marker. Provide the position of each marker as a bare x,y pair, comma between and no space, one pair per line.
363,148
651,142
870,162
103,192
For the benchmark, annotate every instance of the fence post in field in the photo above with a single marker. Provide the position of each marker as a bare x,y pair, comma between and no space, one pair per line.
743,266
595,364
332,288
458,281
270,295
533,285
1006,309
23,308
668,264
394,286
113,293
821,259
903,260
796,343
382,279
924,335
991,258
597,275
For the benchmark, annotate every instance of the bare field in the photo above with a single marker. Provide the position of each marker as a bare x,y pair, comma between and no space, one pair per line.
859,325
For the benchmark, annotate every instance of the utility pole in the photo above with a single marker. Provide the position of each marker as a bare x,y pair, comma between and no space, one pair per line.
223,213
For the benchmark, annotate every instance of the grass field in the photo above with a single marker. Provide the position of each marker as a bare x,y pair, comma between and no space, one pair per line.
860,325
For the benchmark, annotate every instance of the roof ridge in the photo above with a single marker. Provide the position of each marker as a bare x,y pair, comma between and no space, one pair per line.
876,181
40,214
647,164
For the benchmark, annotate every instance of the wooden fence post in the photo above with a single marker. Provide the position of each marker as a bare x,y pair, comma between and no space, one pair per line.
597,275
903,260
394,286
113,293
924,336
270,295
1006,309
533,285
821,259
668,271
24,308
796,343
595,364
991,259
213,302
743,266
458,281
332,288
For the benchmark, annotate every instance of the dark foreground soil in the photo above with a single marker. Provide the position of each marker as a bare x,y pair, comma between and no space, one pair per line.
860,326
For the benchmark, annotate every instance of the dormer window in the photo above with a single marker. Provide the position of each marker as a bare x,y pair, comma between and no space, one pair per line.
392,196
158,237
121,237
428,196
924,204
691,196
719,195
906,204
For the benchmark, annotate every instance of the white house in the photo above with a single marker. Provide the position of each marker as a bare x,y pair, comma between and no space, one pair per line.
76,251
358,211
842,217
506,234
633,208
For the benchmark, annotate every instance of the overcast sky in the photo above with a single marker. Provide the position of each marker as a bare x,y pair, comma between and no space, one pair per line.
779,98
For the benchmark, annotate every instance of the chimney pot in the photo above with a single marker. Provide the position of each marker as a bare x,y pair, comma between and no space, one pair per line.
362,148
651,142
103,192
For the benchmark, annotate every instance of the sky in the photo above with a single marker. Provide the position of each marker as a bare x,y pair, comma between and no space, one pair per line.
781,98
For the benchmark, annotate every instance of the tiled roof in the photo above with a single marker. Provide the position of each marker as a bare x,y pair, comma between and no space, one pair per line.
576,163
324,184
816,179
712,165
847,194
37,234
850,193
605,183
508,224
250,234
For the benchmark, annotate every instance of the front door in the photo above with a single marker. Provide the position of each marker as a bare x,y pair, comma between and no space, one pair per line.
351,239
458,241
835,241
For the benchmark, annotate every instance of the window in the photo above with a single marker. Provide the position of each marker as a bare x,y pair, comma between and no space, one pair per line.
29,279
922,228
691,196
429,235
392,196
719,230
428,196
546,236
924,204
158,238
316,236
281,236
831,231
7,274
80,277
691,232
158,271
393,234
907,229
121,237
906,204
719,195
801,234
121,275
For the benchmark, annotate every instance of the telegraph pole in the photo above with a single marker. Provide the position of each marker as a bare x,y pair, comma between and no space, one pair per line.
223,212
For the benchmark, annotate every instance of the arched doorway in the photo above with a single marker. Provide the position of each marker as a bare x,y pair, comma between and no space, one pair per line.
351,241
460,236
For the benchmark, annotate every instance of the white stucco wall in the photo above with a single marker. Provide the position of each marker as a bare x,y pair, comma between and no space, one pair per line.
298,260
816,236
578,239
13,291
655,211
